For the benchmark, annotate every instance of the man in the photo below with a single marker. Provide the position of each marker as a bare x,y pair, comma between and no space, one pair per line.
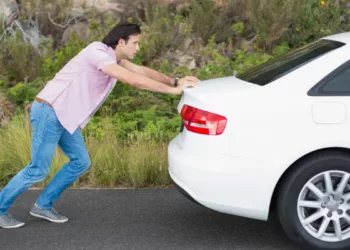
65,106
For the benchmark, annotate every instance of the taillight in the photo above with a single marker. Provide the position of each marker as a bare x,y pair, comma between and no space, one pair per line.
202,122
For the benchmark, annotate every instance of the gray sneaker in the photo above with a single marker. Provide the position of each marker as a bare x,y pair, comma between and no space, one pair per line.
48,214
7,221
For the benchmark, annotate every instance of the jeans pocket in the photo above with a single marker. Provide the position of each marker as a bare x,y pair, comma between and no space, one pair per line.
51,114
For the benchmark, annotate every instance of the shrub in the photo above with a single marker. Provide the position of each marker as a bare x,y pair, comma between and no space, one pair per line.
162,31
127,138
208,18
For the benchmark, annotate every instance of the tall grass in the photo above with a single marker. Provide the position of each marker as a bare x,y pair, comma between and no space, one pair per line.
136,163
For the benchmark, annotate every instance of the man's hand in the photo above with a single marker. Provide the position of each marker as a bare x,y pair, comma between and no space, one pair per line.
188,79
187,82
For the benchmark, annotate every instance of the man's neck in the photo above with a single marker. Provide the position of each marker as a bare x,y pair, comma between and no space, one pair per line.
118,55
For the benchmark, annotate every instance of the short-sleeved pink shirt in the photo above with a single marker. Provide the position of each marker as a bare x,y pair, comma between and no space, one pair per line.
80,87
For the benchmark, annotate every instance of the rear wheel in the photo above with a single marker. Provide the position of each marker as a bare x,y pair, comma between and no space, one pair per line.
314,202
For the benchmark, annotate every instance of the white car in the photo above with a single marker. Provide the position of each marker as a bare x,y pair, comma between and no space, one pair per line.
277,136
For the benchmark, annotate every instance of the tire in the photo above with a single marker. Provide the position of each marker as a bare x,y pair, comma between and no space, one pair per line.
314,168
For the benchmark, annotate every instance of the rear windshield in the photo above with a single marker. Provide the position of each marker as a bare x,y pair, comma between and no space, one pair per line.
284,64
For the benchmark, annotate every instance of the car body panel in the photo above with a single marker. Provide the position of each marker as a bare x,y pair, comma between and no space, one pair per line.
269,128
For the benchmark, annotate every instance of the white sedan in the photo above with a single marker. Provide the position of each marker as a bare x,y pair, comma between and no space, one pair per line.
276,137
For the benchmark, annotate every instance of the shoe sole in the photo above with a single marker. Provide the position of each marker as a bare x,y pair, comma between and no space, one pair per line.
46,218
16,226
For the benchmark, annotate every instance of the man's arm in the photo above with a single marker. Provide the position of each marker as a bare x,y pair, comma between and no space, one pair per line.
150,73
143,82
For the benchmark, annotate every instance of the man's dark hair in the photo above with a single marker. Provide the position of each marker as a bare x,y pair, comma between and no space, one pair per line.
121,31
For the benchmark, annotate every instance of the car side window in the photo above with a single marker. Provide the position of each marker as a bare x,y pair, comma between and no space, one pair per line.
339,83
336,83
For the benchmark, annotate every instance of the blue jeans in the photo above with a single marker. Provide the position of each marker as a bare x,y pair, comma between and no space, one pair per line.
47,133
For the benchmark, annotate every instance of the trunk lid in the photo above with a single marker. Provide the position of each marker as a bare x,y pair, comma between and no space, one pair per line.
215,93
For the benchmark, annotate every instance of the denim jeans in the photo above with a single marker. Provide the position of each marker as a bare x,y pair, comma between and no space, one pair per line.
47,133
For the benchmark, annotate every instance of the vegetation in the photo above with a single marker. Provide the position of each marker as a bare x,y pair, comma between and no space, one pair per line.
128,137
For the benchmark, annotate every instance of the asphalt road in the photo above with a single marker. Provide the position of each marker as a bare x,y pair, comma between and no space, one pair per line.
137,219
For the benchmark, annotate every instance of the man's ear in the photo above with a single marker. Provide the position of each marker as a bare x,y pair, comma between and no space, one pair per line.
121,41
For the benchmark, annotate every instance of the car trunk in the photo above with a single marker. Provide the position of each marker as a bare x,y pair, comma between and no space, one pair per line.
214,94
215,99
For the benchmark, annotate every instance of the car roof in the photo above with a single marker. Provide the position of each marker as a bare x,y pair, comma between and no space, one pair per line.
341,37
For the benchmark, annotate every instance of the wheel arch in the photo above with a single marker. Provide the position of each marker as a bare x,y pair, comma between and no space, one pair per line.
277,188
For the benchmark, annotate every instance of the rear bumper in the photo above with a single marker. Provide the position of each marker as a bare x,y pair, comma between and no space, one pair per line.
184,193
230,185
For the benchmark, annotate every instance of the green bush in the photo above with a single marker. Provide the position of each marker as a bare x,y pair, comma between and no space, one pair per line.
297,22
162,31
19,60
315,20
223,39
208,19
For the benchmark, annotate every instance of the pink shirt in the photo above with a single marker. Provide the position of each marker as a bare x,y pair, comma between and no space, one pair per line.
80,87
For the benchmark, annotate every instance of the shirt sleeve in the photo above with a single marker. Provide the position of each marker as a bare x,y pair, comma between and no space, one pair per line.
99,57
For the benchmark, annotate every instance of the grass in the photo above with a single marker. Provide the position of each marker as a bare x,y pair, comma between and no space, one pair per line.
138,162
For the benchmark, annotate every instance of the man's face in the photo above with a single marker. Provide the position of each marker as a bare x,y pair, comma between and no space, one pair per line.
129,49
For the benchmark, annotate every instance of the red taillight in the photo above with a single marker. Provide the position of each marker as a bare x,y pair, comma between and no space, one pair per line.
202,122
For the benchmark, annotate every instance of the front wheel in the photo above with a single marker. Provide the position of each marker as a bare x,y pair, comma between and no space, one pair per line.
314,202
